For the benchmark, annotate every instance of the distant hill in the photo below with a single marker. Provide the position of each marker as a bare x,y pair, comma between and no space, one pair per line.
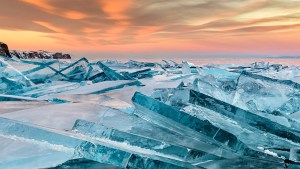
4,51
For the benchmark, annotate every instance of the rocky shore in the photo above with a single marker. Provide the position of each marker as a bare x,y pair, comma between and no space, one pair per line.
4,51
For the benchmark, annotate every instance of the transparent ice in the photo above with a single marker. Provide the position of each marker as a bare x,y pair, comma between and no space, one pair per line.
109,114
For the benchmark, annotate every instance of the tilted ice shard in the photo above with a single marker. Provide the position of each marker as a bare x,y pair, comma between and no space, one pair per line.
81,148
271,98
214,116
11,79
13,128
41,71
101,87
245,133
176,97
265,93
244,116
217,83
142,73
124,159
137,126
84,163
178,121
244,163
136,64
75,71
186,68
205,131
47,89
113,75
100,131
17,152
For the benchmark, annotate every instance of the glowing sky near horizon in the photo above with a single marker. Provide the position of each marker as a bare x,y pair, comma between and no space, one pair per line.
214,27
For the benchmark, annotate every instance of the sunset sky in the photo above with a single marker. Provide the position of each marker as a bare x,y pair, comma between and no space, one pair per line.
153,27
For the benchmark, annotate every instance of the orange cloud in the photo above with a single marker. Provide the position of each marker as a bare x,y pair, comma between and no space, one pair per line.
50,26
75,15
90,30
115,9
121,26
40,4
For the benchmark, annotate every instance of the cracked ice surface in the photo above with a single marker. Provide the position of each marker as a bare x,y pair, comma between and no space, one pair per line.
108,114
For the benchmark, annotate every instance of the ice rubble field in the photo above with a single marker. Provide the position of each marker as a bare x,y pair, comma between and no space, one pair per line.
82,114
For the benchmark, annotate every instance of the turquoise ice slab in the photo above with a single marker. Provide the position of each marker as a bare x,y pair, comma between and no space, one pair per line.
139,73
267,97
75,71
246,133
181,122
243,116
99,77
82,163
14,128
245,163
175,97
178,121
113,75
101,87
24,153
122,158
40,71
47,89
249,91
11,79
137,162
100,131
289,83
259,93
81,148
132,124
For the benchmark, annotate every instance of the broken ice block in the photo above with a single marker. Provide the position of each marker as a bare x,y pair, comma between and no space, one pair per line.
99,131
186,68
25,153
125,159
44,70
81,148
81,163
217,83
113,75
243,116
245,133
137,126
101,87
141,73
75,71
294,154
178,121
243,162
173,119
176,97
13,128
259,93
11,79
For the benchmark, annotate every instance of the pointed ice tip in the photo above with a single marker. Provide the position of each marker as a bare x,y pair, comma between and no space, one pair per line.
135,95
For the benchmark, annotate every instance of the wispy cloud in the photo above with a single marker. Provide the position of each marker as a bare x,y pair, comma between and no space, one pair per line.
125,25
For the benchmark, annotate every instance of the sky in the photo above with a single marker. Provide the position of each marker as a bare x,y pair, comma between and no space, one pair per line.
153,27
